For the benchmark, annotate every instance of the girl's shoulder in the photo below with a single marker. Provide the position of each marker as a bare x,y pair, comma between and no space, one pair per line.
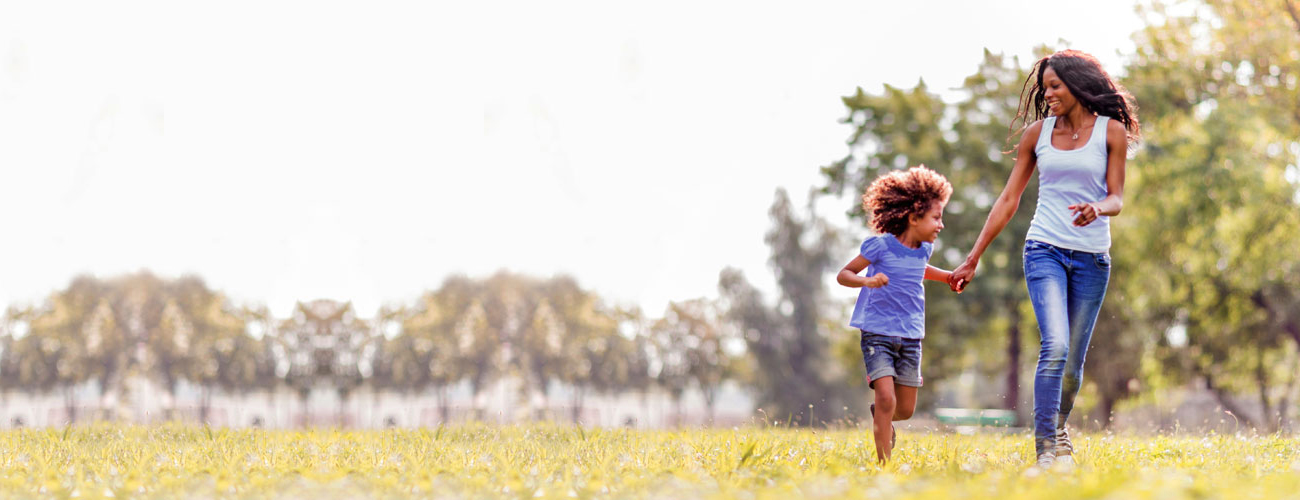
887,247
873,245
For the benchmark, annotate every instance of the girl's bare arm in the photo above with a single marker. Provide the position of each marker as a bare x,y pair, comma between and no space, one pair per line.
849,275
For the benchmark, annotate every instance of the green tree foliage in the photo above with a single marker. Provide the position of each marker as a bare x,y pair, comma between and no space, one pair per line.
788,345
1216,196
545,332
426,352
689,345
321,344
103,331
588,340
208,339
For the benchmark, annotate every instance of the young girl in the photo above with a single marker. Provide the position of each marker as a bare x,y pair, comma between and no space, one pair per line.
906,207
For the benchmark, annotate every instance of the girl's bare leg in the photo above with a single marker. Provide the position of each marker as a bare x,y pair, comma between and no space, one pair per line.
906,397
882,426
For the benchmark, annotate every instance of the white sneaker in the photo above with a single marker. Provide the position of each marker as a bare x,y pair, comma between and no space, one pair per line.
1064,463
1063,445
1043,464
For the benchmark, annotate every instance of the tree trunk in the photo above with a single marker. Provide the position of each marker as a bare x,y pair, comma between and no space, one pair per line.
205,403
341,417
1106,407
70,403
271,409
106,395
444,408
1013,365
169,410
1265,404
579,394
1284,406
1293,386
1225,400
710,397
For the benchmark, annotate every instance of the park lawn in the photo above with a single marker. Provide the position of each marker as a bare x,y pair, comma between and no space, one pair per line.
551,461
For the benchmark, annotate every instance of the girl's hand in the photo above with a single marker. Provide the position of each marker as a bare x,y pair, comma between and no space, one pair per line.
962,276
877,281
1084,213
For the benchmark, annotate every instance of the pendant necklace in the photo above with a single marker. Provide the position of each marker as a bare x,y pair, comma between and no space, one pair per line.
1076,134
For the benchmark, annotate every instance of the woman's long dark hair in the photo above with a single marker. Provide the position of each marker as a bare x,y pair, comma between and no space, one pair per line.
1095,90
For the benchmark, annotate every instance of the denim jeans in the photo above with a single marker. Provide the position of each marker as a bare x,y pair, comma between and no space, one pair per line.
890,356
1066,288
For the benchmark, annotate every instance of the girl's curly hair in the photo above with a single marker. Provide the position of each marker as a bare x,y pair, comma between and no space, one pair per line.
894,196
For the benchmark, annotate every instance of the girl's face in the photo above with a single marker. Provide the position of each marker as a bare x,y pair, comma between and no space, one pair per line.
926,227
1059,99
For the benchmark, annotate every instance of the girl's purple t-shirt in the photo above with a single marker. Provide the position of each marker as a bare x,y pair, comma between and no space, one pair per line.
898,308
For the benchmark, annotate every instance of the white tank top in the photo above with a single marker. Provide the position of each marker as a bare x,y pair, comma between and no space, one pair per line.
1066,178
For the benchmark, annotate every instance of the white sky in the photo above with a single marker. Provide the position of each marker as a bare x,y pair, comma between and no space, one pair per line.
366,150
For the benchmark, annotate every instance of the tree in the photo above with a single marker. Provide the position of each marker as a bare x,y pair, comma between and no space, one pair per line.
690,339
194,334
619,361
23,364
58,338
321,345
1220,175
671,366
787,344
588,346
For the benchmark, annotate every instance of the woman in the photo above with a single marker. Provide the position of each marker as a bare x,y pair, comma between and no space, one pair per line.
1082,125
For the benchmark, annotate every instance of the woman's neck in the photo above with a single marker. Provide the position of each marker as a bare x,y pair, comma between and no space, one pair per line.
1075,118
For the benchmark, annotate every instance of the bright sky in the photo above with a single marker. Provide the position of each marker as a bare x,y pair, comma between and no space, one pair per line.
366,150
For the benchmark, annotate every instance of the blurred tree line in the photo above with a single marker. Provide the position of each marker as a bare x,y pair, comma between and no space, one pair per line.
542,332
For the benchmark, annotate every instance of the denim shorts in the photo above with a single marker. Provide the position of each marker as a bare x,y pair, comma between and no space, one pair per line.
890,356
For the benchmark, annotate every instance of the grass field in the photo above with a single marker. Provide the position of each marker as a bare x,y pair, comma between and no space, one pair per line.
544,461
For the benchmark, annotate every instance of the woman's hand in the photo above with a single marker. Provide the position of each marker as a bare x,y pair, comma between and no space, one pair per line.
962,275
1084,213
876,281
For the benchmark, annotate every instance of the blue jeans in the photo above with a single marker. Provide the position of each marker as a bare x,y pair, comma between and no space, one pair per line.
1066,288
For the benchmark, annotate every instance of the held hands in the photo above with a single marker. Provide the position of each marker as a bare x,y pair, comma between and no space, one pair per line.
962,275
876,281
1084,213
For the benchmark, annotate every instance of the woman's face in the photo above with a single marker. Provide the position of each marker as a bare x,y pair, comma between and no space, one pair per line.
1059,99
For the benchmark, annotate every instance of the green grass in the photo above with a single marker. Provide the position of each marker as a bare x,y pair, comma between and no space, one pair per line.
545,461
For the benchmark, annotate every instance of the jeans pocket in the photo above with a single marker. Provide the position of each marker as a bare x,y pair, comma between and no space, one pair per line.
1103,260
1034,245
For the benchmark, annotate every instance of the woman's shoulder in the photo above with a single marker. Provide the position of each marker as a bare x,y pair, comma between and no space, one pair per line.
1029,139
1114,126
1036,127
1116,134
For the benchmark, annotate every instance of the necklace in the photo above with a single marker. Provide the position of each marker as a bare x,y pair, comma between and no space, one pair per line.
1075,134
